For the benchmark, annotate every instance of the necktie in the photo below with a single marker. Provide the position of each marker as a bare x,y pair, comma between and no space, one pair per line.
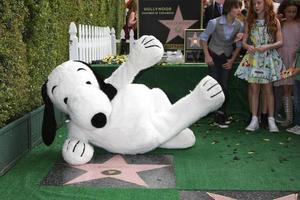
220,9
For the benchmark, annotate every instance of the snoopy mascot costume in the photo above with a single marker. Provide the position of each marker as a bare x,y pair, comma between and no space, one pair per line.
118,115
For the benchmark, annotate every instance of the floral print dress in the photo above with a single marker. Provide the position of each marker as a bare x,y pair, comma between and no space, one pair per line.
260,67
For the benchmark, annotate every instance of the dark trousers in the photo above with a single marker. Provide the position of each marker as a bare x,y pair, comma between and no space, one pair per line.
221,75
297,102
124,47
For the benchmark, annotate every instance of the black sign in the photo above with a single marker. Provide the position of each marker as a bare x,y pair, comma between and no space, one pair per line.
193,51
168,19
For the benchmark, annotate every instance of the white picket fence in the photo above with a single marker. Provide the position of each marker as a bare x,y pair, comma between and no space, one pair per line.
93,42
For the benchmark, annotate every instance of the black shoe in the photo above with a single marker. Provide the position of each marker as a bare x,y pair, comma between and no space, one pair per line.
220,120
228,119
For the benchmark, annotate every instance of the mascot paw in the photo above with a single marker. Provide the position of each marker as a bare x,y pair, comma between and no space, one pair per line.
76,152
146,51
210,93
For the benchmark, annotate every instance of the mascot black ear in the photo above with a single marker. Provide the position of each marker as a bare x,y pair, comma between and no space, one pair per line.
49,123
107,88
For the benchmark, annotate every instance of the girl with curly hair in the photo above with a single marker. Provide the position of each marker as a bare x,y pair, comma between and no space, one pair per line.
262,64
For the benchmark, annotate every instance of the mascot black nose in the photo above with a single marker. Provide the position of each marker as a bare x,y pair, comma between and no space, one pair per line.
99,120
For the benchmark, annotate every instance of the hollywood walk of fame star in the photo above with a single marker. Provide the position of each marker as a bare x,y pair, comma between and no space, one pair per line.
288,197
117,168
194,41
177,25
221,197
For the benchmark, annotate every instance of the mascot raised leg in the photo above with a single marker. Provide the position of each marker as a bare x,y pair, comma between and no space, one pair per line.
118,115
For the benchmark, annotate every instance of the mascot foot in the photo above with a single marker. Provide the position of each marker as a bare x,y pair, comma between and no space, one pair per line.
184,139
76,152
209,93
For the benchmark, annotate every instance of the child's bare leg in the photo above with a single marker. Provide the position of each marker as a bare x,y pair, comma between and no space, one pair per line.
254,99
268,88
269,96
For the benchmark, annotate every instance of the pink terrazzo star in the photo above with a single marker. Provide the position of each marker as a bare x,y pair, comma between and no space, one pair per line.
288,197
194,41
117,168
177,26
219,197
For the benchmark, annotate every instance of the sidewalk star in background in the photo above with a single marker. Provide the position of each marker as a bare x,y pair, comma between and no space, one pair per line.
177,26
221,197
194,41
288,197
117,168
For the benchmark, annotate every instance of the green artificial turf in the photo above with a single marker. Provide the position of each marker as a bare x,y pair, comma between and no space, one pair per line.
233,159
229,159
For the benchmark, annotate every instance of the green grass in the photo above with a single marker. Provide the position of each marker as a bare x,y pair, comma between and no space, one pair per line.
228,159
233,159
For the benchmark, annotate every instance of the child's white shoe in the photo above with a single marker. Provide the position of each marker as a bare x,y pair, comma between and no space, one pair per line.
295,130
254,125
272,125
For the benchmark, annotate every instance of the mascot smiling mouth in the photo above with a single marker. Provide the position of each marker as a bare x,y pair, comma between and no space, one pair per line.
118,115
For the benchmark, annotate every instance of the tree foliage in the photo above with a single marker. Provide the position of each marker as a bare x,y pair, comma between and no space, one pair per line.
34,40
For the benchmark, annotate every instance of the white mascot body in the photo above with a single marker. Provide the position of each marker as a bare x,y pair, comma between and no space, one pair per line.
120,116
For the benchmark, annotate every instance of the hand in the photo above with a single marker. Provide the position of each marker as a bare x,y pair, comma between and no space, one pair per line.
209,60
209,94
145,52
229,64
238,37
297,71
261,49
280,17
251,49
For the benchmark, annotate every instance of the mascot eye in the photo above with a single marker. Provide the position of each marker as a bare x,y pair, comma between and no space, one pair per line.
66,100
81,69
53,88
88,82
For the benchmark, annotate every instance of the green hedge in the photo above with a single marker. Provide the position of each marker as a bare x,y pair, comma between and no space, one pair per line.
34,39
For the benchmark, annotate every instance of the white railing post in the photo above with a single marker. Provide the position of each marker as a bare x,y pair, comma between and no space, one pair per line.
83,43
89,44
73,42
105,39
86,43
131,40
94,42
108,41
101,42
113,41
80,42
98,47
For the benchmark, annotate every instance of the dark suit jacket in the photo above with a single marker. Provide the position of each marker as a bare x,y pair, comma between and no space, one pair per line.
211,12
